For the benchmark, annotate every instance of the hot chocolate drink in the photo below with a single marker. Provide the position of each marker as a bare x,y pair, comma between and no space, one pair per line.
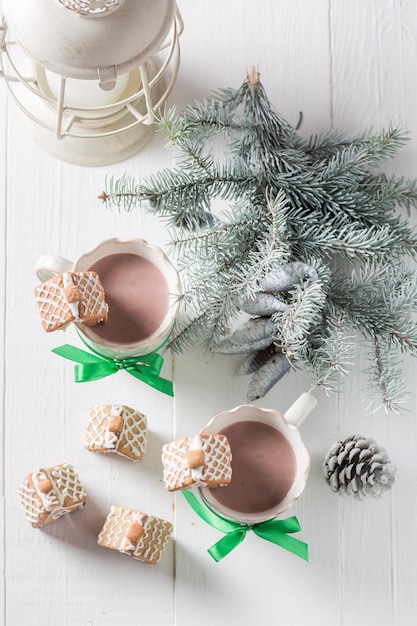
137,294
263,468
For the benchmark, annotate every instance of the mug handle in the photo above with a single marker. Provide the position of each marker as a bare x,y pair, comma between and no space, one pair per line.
49,265
300,409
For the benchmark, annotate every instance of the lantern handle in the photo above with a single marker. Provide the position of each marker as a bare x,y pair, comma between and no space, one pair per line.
3,29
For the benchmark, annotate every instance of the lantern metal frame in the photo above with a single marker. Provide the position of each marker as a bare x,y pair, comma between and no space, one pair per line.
51,120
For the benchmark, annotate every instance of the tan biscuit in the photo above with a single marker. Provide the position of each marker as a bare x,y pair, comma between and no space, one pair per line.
49,493
117,429
141,536
71,297
201,460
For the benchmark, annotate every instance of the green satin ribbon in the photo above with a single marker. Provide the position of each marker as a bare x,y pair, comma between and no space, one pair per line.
272,530
91,366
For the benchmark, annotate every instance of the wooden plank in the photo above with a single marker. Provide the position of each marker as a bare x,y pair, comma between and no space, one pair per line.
3,247
289,42
67,577
373,67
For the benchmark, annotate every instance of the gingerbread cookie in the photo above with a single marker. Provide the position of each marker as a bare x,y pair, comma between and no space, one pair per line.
49,493
141,536
71,297
200,460
117,429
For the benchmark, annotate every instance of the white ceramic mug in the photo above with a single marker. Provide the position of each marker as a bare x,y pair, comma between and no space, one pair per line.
49,265
287,425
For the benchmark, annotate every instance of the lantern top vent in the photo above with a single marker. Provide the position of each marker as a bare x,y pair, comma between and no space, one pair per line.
94,8
76,38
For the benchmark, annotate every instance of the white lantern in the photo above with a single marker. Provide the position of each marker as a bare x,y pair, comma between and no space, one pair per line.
90,76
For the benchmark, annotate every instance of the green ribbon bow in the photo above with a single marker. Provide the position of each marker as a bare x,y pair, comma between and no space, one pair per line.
272,530
91,366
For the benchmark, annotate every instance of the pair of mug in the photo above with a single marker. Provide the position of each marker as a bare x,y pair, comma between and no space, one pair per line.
270,462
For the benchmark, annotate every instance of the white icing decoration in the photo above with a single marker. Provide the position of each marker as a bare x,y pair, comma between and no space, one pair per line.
29,502
140,518
64,484
195,443
149,547
73,306
53,306
126,545
217,466
133,435
54,497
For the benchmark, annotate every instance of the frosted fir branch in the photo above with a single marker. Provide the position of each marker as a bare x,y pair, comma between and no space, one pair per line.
352,205
205,289
182,196
194,283
289,204
380,296
350,242
301,188
386,378
187,244
387,194
204,120
203,329
360,202
229,248
304,314
323,147
122,193
399,290
184,333
274,130
404,336
245,278
193,156
272,250
366,311
355,160
174,127
216,248
332,358
225,180
287,162
370,276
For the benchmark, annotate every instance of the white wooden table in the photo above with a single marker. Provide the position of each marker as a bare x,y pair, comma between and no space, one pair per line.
347,64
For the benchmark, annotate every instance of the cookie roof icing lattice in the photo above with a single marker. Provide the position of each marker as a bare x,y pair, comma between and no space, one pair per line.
214,467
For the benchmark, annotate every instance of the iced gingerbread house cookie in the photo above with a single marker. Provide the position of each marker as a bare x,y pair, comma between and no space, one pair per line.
47,494
117,429
141,536
200,460
71,297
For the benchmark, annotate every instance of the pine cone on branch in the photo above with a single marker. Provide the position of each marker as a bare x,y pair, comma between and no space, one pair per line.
358,466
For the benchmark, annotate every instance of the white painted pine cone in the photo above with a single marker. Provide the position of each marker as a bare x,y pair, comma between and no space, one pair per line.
358,466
